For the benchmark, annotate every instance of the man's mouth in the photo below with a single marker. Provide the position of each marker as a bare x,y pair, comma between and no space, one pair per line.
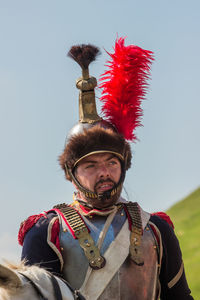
103,186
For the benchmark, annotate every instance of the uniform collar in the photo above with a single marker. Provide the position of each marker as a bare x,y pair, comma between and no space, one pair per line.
85,210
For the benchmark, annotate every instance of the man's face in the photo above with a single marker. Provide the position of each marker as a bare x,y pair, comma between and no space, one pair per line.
99,172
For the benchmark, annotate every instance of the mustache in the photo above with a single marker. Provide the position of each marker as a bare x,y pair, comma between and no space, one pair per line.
108,180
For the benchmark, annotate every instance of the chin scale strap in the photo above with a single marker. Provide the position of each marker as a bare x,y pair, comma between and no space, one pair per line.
92,195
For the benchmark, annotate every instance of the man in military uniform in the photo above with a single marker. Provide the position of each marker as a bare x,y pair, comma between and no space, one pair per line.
103,245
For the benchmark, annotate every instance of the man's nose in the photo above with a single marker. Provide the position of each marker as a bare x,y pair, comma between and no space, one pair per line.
103,171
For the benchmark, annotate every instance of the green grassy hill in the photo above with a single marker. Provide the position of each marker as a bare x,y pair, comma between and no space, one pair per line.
186,218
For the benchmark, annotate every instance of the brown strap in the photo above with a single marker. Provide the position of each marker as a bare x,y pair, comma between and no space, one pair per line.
35,286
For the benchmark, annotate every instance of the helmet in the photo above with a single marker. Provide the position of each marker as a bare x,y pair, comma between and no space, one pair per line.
123,87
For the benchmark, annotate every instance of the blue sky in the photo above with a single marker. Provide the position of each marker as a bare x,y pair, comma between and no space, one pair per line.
39,100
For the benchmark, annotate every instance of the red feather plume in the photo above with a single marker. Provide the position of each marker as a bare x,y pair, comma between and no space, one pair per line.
124,87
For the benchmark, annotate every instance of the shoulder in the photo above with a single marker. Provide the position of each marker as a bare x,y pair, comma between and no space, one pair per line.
37,224
161,223
39,237
162,218
163,226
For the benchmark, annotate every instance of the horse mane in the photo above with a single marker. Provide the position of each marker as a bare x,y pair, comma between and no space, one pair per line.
14,287
9,288
16,267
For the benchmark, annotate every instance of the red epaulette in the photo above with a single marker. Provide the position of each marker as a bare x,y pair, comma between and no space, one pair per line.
27,225
165,217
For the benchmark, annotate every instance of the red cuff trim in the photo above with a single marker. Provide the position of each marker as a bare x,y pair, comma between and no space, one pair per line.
165,217
27,225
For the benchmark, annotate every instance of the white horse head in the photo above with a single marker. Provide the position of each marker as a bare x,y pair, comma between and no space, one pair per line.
14,286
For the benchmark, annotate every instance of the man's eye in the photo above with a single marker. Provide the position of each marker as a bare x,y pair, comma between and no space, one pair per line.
112,162
89,166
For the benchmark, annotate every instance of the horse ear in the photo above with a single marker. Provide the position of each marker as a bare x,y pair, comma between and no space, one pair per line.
8,278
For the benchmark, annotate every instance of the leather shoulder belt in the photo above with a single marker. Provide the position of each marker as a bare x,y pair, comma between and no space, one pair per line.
81,232
135,225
